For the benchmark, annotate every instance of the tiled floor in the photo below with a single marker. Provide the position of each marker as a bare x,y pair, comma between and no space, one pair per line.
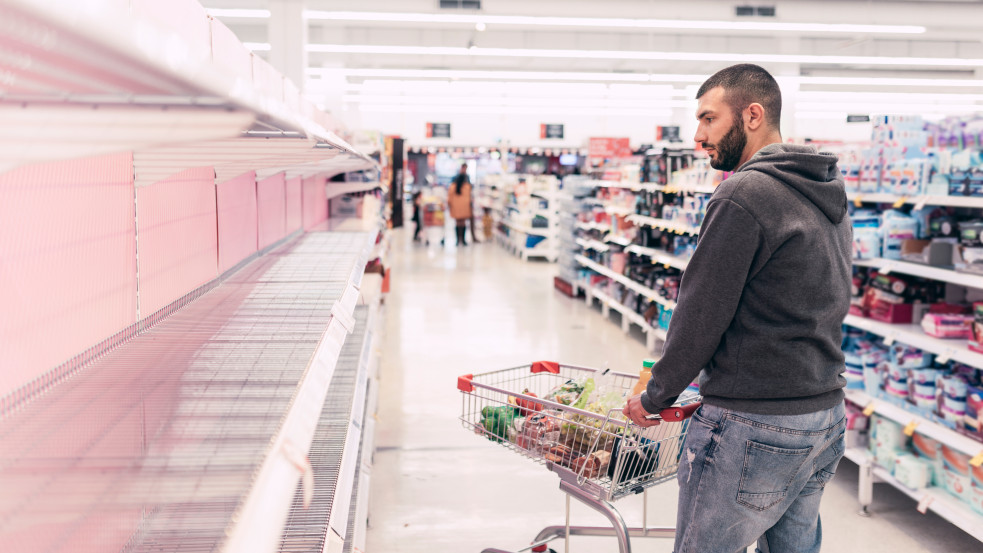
437,488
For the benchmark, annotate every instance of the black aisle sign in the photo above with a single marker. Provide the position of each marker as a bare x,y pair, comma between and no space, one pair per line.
670,134
857,118
551,130
438,130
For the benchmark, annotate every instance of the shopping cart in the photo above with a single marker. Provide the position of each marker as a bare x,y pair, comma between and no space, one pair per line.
598,456
433,219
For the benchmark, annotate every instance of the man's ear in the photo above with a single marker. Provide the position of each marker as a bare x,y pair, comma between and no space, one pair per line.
754,116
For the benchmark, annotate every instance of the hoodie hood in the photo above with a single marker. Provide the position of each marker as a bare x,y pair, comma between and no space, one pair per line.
811,173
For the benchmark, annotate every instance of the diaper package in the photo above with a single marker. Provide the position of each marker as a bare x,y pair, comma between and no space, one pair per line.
930,451
912,472
976,489
955,473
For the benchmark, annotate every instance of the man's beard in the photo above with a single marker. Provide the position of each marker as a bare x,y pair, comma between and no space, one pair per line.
730,148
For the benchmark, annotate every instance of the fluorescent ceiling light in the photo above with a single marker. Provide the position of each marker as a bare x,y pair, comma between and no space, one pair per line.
258,46
605,22
640,55
626,77
891,81
236,12
514,110
545,103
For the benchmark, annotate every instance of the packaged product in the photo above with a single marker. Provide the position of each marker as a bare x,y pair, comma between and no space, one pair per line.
497,420
976,335
939,325
896,227
973,419
887,435
976,488
931,451
912,472
908,357
955,473
539,431
954,386
592,465
569,392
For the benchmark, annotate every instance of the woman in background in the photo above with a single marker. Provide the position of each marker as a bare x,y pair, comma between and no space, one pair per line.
459,202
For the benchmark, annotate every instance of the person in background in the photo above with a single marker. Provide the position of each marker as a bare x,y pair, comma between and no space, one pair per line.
759,319
417,213
459,202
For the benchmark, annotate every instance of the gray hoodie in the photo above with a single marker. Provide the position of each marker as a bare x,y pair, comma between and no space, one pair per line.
762,301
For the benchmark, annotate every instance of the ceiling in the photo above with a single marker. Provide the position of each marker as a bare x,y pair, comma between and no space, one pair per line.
410,55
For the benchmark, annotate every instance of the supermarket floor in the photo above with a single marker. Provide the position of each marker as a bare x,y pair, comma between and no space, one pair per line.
437,488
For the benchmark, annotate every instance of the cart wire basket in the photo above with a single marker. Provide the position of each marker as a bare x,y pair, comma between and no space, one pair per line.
569,419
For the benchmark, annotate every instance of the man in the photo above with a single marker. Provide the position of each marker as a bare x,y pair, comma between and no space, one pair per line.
758,319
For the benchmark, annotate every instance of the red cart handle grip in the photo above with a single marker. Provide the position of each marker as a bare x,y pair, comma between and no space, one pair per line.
676,414
464,383
546,367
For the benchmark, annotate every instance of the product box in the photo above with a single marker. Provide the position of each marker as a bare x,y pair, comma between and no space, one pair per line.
912,472
346,206
973,419
955,473
976,489
976,335
930,451
956,327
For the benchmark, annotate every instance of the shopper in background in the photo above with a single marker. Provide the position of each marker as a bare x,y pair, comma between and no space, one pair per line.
758,319
459,202
417,213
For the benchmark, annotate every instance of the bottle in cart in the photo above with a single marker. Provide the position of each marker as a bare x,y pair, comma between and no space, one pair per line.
643,376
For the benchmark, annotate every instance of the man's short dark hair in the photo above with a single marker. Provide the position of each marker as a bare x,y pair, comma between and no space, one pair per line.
745,84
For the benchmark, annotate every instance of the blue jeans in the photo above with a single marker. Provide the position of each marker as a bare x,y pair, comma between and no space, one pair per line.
746,478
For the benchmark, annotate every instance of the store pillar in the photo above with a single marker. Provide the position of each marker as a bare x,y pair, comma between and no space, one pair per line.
288,39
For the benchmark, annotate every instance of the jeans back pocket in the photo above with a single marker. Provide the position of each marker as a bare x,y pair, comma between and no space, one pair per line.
768,472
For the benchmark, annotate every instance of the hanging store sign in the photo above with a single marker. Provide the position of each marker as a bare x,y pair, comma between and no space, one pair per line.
438,130
609,147
857,118
551,130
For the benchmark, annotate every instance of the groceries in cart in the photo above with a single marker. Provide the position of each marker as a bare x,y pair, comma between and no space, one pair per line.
571,419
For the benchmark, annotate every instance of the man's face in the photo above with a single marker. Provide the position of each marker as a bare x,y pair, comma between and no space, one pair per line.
720,131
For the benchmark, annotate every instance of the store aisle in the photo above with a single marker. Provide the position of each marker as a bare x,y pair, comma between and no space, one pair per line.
436,488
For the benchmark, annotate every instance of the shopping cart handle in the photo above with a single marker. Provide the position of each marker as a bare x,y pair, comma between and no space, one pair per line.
464,383
676,414
546,367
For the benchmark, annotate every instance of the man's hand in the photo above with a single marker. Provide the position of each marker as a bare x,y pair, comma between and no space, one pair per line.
636,413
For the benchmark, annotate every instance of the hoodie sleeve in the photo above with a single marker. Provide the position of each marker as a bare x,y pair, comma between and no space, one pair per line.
709,294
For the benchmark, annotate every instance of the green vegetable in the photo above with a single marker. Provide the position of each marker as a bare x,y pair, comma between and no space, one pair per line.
498,419
585,395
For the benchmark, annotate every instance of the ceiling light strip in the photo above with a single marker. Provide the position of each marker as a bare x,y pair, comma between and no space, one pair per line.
640,55
605,22
626,77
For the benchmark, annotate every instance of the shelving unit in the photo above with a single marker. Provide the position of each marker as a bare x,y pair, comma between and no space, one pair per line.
628,316
887,266
662,224
593,245
913,335
659,256
645,291
931,499
191,427
515,235
950,201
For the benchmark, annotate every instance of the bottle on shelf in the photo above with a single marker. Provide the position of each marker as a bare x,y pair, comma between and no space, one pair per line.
643,376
